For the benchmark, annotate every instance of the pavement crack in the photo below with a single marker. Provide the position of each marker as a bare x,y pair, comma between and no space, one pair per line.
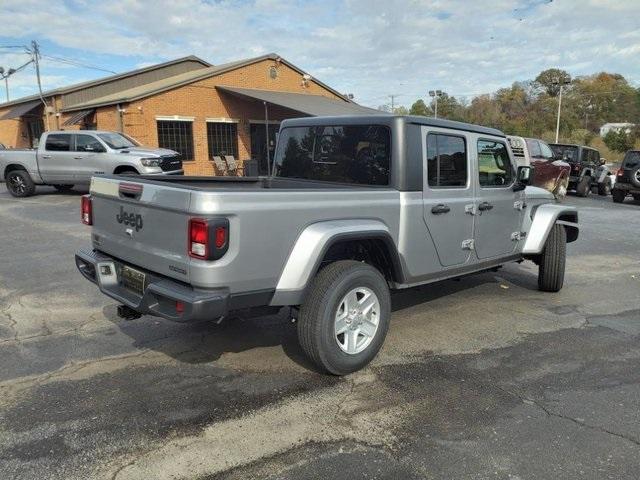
550,413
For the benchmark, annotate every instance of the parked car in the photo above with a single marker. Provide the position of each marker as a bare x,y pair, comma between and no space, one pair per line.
352,210
588,170
628,178
64,159
549,172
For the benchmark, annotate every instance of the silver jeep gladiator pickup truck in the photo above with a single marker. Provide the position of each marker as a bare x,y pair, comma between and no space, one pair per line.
67,158
356,206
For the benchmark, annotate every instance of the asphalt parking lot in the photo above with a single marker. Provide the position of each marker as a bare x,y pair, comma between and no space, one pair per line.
484,377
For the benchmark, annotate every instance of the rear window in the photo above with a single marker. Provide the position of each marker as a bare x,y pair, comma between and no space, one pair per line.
632,159
358,154
567,152
58,142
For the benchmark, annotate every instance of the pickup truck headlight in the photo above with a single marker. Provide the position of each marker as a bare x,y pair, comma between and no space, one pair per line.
151,162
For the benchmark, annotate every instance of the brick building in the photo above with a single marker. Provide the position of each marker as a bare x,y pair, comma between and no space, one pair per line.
188,105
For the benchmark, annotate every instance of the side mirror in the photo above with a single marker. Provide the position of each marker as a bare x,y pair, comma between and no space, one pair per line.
522,178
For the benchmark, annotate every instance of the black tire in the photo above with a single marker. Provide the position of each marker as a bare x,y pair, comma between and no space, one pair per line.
127,171
19,184
604,187
316,321
552,260
618,195
635,177
583,188
636,197
63,188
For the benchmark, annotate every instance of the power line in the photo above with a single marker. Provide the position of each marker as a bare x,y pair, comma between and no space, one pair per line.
77,63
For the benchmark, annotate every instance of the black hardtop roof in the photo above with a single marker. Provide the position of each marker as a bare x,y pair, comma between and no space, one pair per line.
388,119
572,145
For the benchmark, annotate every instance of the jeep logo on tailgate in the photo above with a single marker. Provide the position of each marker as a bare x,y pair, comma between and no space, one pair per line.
131,219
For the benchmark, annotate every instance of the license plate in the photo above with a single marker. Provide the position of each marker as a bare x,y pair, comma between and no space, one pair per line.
132,279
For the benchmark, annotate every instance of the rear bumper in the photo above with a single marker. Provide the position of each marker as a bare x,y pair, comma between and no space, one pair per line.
627,187
160,293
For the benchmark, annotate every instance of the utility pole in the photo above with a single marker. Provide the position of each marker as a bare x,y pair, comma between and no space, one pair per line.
562,83
35,52
435,94
393,104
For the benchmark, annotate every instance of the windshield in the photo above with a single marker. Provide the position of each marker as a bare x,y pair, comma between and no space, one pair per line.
568,153
118,141
337,153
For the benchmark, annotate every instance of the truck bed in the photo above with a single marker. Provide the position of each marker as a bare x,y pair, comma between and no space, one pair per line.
243,183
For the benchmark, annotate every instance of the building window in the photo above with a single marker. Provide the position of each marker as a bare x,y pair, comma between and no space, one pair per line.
222,139
178,136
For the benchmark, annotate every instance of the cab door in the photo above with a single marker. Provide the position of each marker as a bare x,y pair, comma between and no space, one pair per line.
498,209
56,160
448,195
88,155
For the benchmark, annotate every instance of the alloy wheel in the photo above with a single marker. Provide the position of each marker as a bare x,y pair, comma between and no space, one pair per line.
356,320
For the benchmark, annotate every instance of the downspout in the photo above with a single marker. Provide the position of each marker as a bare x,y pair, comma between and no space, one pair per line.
120,123
266,129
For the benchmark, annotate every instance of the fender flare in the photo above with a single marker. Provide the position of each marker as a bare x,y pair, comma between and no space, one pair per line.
312,245
544,218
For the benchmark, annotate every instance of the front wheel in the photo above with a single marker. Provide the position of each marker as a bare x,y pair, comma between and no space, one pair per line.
552,260
345,317
618,195
19,184
560,191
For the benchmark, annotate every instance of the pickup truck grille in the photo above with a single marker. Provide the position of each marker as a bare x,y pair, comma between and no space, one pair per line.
170,163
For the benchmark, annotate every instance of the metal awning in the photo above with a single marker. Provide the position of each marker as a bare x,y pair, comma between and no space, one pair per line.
312,105
78,117
22,109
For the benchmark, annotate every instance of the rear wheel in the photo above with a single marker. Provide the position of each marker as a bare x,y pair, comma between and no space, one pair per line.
618,195
19,184
345,317
552,260
604,187
583,188
63,188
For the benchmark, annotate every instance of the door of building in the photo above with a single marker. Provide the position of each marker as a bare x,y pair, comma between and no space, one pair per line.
259,145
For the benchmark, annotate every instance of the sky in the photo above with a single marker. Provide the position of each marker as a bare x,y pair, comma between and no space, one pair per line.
370,48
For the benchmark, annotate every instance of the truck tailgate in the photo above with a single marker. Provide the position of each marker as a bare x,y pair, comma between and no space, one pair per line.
142,224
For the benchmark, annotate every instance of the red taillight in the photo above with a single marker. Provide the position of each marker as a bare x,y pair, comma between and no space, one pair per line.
179,307
208,239
86,210
620,172
198,238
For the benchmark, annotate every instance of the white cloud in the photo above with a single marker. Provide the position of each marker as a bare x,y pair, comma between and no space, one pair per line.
368,47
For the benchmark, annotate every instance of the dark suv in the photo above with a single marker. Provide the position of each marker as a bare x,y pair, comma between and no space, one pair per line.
628,178
585,168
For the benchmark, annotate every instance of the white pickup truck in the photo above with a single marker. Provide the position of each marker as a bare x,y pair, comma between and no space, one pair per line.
67,158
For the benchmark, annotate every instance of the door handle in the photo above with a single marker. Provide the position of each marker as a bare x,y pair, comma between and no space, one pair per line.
46,156
440,208
78,158
485,206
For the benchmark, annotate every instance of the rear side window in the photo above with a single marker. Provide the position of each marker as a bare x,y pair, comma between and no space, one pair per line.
494,165
446,161
357,154
58,143
632,159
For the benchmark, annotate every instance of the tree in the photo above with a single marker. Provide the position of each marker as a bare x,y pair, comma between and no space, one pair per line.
401,110
420,108
619,141
549,80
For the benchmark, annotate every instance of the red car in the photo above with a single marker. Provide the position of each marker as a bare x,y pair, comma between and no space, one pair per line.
549,171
